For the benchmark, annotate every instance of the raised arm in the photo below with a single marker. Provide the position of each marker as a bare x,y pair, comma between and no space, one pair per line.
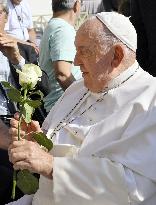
8,46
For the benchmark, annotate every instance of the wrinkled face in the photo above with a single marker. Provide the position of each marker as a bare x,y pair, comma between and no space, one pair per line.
16,2
95,66
3,17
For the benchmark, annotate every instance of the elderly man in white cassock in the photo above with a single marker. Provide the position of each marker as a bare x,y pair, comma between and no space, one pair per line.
103,127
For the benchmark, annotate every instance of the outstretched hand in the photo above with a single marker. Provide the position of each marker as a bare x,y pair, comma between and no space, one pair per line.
9,48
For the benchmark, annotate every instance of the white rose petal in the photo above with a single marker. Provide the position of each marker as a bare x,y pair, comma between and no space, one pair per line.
27,68
29,75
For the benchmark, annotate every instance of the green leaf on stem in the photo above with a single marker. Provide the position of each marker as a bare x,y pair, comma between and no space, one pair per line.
27,182
33,103
7,85
42,139
27,112
14,95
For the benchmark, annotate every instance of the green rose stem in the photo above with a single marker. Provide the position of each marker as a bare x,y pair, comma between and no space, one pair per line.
19,125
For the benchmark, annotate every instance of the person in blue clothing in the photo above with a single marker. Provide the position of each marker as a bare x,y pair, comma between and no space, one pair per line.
57,49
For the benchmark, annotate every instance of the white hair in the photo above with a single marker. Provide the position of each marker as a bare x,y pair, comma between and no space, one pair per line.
105,38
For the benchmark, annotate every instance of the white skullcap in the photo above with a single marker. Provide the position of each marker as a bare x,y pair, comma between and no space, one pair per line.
121,27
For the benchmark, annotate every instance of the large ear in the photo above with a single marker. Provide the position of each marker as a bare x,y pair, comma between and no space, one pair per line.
118,55
77,6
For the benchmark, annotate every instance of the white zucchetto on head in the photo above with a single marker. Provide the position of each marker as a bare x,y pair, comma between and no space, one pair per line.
121,27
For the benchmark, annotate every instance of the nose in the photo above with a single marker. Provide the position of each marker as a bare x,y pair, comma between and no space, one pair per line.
77,60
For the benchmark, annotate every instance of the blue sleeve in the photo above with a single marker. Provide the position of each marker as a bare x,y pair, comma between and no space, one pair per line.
61,44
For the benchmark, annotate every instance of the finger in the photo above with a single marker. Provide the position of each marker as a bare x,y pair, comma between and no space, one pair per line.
18,143
16,155
6,39
2,38
37,50
16,151
35,126
5,35
16,146
21,165
17,115
23,146
14,133
7,42
14,123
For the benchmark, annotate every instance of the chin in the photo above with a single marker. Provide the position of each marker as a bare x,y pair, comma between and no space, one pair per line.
95,90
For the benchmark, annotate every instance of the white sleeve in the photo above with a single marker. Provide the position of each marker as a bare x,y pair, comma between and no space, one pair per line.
98,181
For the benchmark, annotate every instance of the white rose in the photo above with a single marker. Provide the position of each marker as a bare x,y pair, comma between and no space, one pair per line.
29,75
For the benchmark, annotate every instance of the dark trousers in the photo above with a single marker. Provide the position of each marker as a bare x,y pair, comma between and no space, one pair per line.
6,176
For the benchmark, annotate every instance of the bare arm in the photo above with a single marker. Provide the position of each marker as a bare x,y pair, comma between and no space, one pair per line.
63,73
32,35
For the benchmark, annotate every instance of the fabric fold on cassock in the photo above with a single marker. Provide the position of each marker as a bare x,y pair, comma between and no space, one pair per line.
125,135
116,137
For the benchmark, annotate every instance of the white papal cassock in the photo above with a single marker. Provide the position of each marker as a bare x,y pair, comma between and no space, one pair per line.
105,148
